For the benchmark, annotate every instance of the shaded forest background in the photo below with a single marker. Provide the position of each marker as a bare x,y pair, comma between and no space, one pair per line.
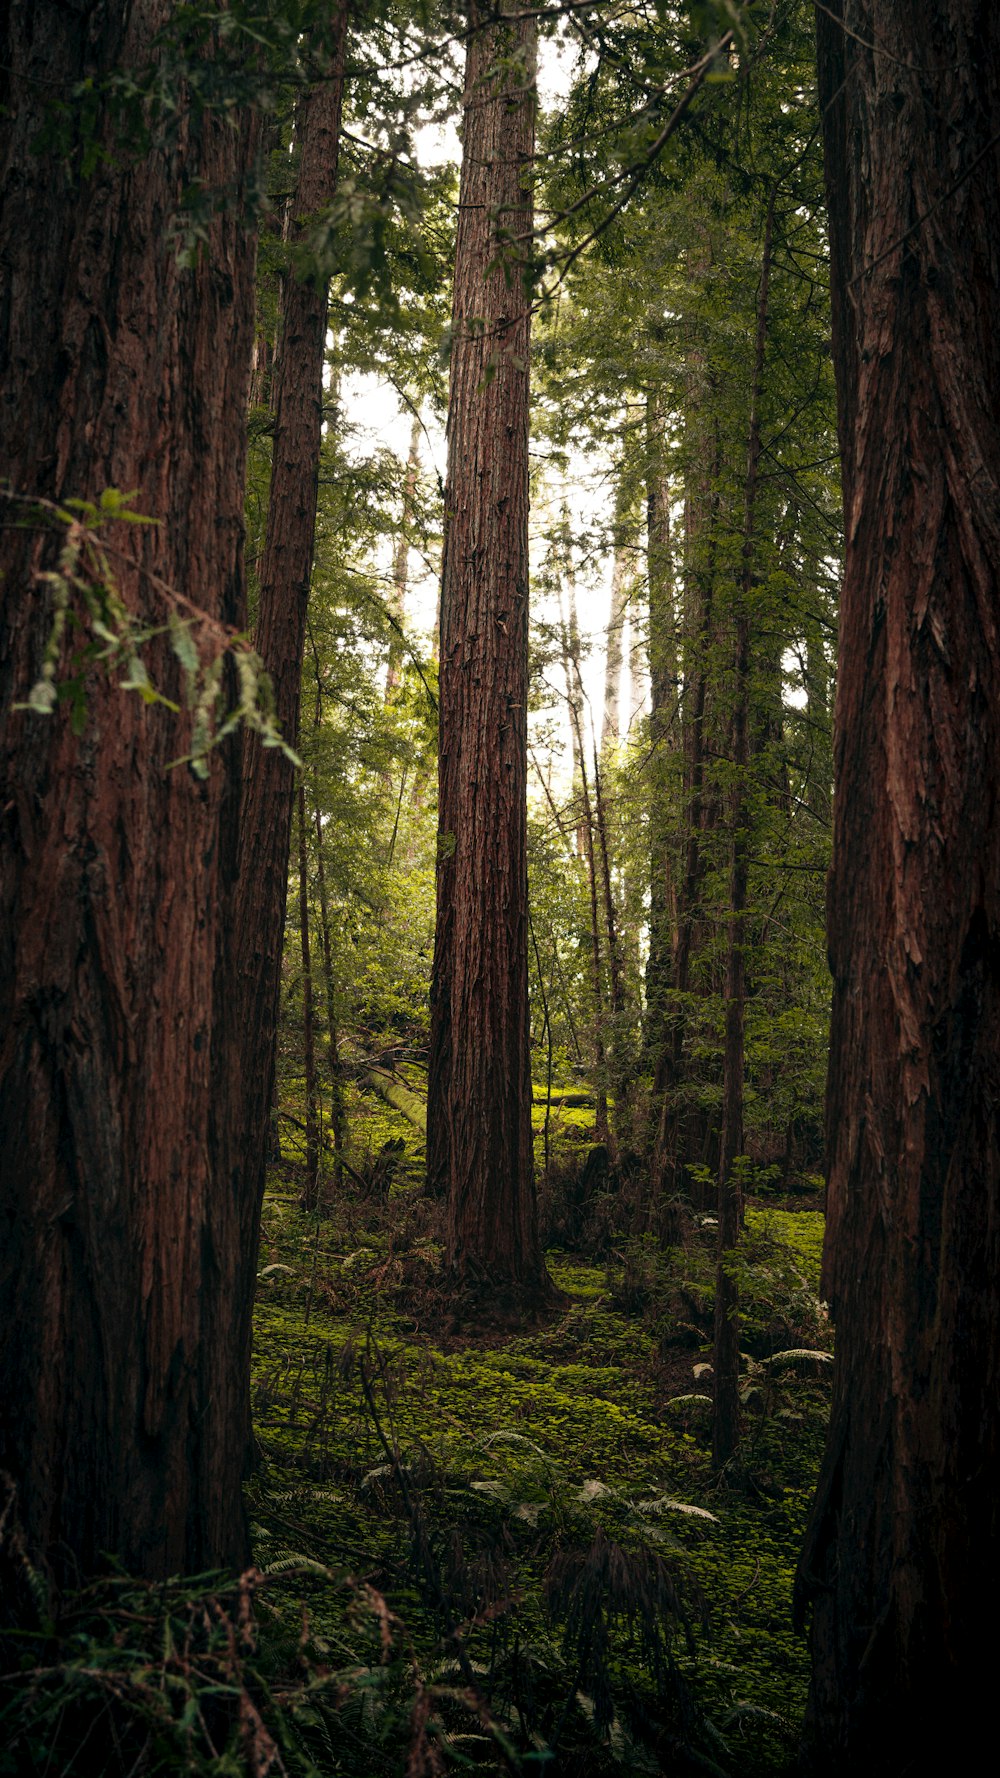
540,1365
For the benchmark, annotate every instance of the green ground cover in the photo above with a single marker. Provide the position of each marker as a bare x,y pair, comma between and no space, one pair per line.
478,1547
524,1456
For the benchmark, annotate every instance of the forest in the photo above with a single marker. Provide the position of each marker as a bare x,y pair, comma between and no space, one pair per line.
499,887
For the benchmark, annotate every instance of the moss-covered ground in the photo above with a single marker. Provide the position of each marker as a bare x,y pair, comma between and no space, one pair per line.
480,1545
526,1518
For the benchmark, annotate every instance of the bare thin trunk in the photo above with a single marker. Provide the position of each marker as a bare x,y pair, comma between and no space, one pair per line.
570,636
726,1350
401,566
701,512
621,1057
664,785
621,574
311,1184
337,1113
602,1128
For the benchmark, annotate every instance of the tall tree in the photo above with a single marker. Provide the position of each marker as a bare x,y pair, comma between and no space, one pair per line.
127,1266
726,1346
903,1550
286,567
479,1141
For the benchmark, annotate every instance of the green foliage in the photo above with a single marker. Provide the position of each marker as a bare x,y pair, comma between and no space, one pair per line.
89,609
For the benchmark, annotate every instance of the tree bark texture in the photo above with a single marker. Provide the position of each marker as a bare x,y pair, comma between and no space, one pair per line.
479,1141
126,1263
286,568
901,1562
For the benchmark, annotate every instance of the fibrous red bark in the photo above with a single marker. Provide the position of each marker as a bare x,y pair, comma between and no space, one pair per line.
903,1551
126,1262
479,1146
286,569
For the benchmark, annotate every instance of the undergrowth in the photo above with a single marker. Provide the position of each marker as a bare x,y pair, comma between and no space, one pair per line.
475,1549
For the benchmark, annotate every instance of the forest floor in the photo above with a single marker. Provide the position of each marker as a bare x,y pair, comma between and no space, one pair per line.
507,1549
478,1548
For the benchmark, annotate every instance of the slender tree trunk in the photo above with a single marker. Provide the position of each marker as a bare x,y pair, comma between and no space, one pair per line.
726,1350
479,1139
602,1127
621,576
570,638
664,787
311,1185
128,1259
701,512
622,1028
286,566
547,1034
338,1120
401,565
902,1556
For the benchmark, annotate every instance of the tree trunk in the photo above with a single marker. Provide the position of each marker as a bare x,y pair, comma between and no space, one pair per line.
903,1550
128,1260
479,1141
310,1188
621,576
570,640
701,515
664,702
401,565
286,566
726,1350
602,1127
622,1029
338,1119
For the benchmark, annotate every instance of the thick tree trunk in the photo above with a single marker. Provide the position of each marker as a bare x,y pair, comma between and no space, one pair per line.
479,1142
286,566
903,1553
127,1262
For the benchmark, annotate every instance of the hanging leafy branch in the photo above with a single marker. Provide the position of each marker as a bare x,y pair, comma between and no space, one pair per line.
86,600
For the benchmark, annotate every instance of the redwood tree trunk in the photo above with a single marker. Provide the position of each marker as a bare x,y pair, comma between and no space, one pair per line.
479,1143
903,1553
126,1262
286,567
